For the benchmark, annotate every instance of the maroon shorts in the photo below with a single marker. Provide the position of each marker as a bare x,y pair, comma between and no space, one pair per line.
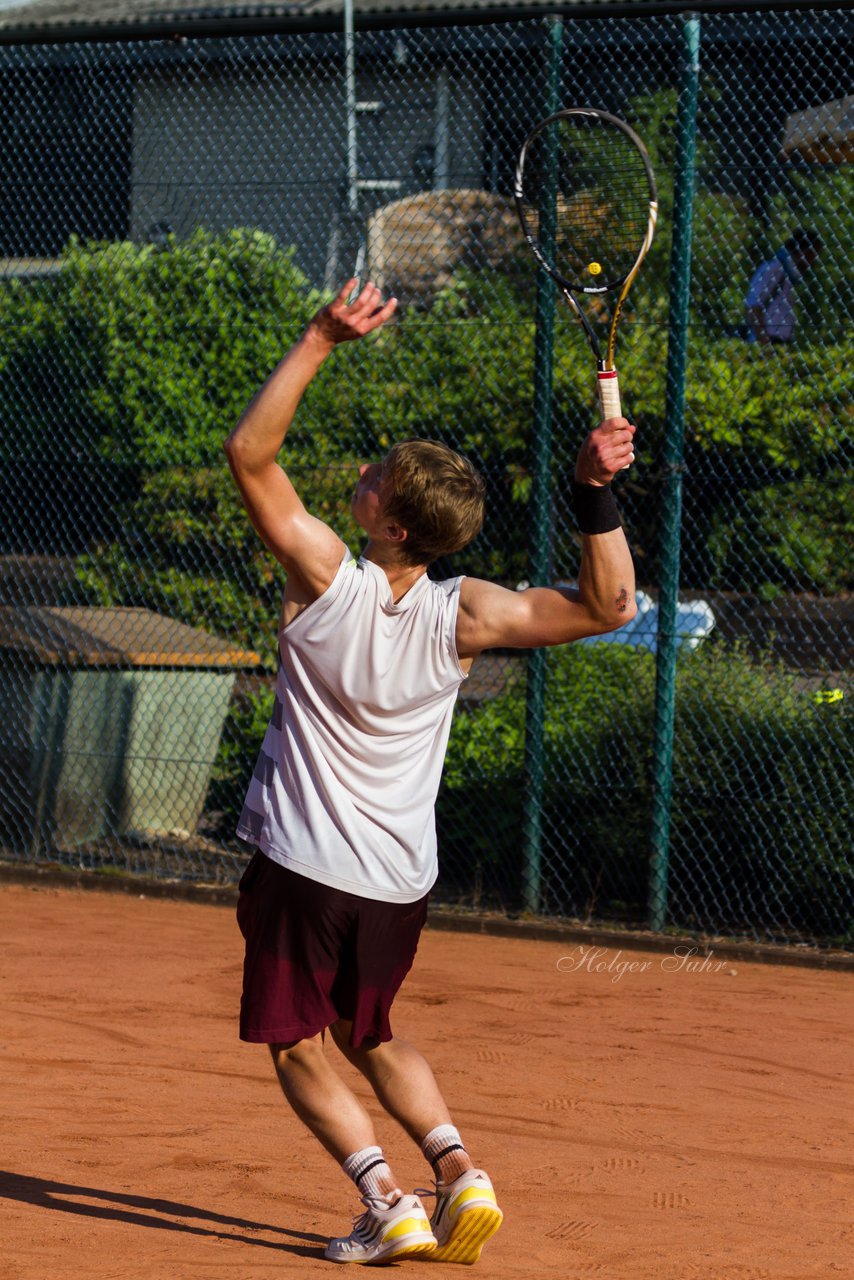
315,954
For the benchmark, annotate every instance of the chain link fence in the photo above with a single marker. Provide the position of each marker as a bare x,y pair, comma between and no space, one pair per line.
172,212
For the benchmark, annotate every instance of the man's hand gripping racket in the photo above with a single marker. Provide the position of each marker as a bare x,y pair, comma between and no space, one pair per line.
586,199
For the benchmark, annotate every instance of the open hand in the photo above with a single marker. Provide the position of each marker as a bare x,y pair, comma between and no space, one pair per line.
343,321
607,450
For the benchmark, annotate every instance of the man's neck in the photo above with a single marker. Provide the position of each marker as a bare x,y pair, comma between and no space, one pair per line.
401,577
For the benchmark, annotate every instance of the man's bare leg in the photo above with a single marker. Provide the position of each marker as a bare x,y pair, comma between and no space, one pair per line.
467,1213
323,1101
403,1082
394,1225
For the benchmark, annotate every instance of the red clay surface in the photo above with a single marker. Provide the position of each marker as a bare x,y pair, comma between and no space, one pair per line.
658,1123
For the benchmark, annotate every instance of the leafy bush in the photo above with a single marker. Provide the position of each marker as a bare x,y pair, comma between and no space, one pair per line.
762,784
144,356
798,536
760,792
783,411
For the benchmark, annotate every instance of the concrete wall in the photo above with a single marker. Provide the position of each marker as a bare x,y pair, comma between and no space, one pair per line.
267,148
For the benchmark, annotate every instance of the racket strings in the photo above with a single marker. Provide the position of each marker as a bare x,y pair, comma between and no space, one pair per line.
585,200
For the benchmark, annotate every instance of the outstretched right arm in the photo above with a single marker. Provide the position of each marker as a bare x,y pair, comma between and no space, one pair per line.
491,616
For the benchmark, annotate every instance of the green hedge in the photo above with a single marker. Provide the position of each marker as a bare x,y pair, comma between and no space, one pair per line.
143,356
761,789
143,359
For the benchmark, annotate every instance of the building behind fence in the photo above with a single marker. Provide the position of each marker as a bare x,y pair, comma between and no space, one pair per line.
174,201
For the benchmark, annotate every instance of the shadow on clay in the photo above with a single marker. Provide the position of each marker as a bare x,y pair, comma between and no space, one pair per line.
144,1211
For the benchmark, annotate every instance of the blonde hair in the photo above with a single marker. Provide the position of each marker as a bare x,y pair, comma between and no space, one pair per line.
435,495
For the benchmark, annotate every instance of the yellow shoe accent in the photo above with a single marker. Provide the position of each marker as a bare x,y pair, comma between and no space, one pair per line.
473,1193
469,1233
410,1251
384,1232
405,1226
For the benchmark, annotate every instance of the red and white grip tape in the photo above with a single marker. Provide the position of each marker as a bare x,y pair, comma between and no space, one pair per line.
609,394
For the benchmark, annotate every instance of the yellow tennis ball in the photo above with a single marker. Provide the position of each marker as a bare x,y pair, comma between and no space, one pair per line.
594,269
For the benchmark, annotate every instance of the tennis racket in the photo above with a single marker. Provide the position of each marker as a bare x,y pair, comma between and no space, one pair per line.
586,198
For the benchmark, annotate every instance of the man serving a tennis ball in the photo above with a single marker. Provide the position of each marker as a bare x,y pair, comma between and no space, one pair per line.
340,805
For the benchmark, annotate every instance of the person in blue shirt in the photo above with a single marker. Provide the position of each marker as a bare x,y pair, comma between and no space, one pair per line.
770,299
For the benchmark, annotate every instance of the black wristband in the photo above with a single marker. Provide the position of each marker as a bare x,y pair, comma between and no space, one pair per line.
595,508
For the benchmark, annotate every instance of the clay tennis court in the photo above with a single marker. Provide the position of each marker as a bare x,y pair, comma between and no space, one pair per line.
638,1123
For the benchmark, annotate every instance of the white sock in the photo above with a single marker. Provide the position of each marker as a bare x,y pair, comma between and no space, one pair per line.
443,1147
369,1171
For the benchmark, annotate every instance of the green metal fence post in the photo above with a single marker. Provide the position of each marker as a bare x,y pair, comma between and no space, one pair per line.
677,348
535,689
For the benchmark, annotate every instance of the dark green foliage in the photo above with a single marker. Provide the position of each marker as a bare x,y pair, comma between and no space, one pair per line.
763,786
142,355
798,537
189,551
598,703
761,790
146,357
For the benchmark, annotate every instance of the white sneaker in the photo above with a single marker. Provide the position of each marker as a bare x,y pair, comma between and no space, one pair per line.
385,1232
465,1217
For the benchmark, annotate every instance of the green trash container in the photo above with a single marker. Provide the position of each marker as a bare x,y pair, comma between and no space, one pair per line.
110,721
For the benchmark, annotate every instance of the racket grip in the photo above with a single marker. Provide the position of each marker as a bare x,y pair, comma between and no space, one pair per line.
609,394
609,397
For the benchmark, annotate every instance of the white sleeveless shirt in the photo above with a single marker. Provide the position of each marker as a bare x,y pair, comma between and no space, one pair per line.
345,784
